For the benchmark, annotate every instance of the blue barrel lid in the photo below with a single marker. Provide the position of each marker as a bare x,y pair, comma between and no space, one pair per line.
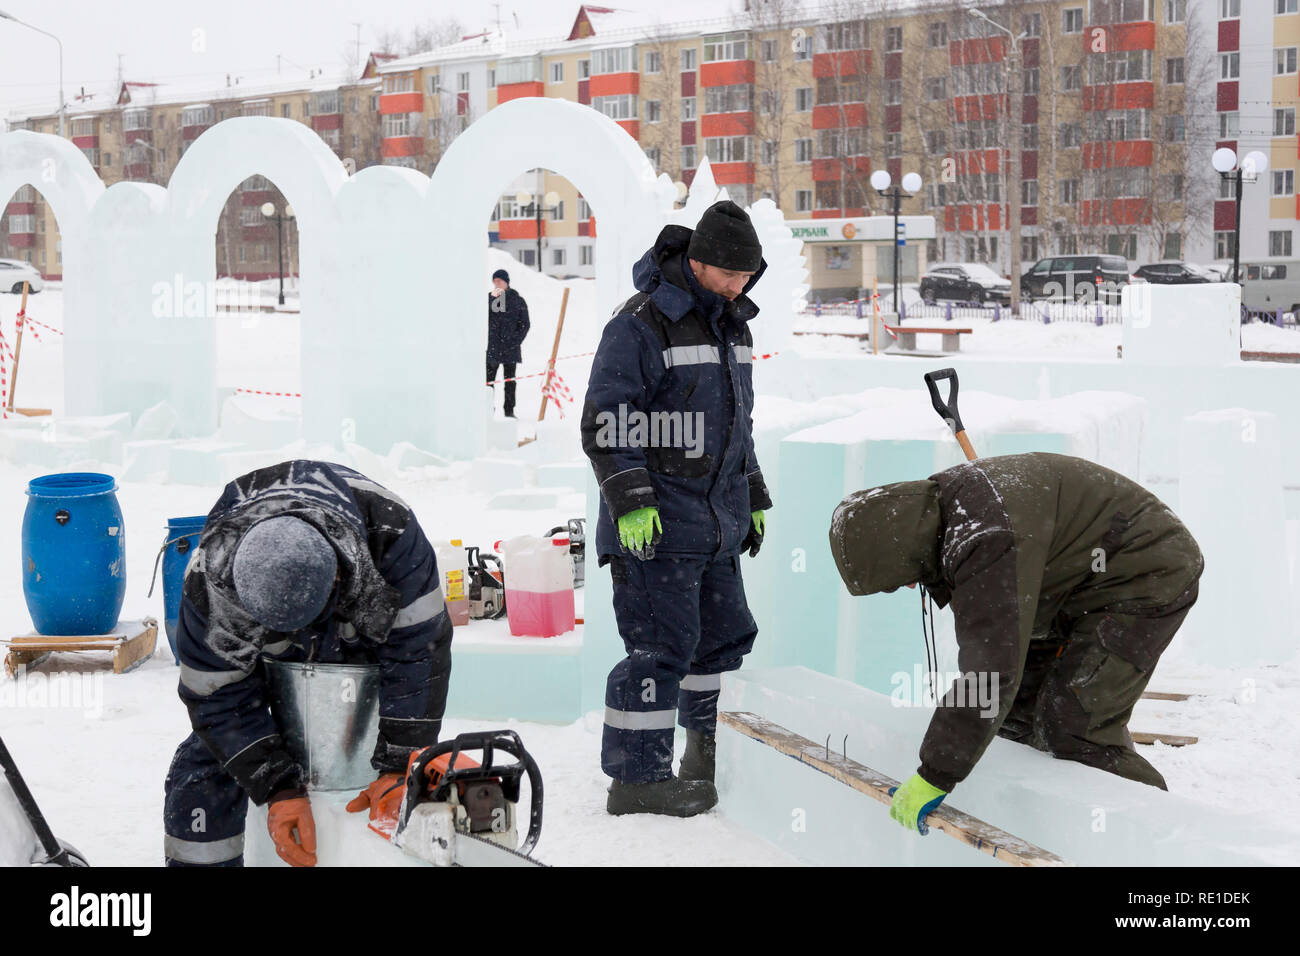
72,484
184,524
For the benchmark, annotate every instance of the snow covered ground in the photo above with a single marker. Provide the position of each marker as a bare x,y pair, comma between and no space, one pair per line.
121,741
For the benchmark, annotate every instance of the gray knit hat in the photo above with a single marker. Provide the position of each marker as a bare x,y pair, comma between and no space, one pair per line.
284,572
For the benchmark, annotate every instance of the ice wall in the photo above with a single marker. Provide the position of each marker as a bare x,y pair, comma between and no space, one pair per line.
1082,814
1182,325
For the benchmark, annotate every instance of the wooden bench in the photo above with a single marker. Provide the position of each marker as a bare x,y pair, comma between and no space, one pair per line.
907,337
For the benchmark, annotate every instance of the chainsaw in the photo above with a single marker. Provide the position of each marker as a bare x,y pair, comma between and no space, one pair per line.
459,812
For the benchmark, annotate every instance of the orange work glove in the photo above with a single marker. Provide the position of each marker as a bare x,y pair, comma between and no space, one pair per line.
283,817
384,798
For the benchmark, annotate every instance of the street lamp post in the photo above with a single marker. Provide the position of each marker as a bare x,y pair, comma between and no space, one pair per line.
911,185
551,201
1252,164
269,210
62,109
1015,120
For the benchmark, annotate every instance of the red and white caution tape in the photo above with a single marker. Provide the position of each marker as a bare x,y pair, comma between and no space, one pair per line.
254,391
47,328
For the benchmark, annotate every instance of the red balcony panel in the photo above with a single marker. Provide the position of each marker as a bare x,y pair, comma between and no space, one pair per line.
85,142
584,92
21,209
826,214
591,225
462,104
137,136
412,102
1138,35
894,66
976,161
893,119
688,83
1029,109
688,176
324,121
984,106
1123,153
841,63
727,124
727,73
22,240
831,170
1029,164
584,229
631,127
1229,35
895,167
1226,96
517,228
843,115
724,173
192,132
401,146
257,233
1119,96
977,50
256,197
949,218
1297,206
853,211
1029,215
516,91
615,84
1225,214
1029,52
136,171
688,132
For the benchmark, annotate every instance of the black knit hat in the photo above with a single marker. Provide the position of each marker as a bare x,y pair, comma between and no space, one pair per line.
726,238
502,275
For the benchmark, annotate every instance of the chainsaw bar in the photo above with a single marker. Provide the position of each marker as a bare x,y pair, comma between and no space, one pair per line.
488,853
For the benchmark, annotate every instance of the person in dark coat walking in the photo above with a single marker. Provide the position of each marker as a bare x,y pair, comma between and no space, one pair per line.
301,561
507,328
666,425
1067,582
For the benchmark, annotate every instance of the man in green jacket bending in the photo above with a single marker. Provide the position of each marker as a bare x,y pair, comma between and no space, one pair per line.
1067,581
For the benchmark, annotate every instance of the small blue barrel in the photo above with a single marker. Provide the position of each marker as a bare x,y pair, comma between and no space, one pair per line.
74,554
182,539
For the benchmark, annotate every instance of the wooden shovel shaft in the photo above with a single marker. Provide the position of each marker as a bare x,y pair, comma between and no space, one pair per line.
18,349
966,446
970,830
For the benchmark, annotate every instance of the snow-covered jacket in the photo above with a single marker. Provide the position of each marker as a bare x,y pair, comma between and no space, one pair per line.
679,360
387,608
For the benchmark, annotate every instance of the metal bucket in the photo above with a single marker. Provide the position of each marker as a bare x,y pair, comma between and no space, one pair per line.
328,715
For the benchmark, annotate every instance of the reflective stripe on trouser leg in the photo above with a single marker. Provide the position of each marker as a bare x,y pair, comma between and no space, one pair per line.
727,632
656,606
203,810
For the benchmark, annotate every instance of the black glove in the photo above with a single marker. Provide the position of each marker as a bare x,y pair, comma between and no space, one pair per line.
754,540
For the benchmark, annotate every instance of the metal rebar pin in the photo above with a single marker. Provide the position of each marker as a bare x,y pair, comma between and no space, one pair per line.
828,746
844,747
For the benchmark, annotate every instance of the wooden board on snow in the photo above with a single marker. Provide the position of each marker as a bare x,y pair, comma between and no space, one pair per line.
1163,695
1169,740
131,643
970,830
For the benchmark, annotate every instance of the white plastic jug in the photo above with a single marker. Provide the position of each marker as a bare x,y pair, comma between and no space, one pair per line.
539,585
453,565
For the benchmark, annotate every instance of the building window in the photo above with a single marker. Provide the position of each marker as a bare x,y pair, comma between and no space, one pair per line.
652,154
1175,188
935,142
1072,20
557,257
728,149
1284,60
828,195
1069,191
328,102
803,150
803,99
1122,245
1067,245
1029,136
529,257
1284,182
584,69
1174,68
1029,192
653,62
721,47
838,143
688,107
893,92
557,72
652,111
840,89
613,60
462,82
1279,243
1030,78
1071,78
622,107
1176,11
399,82
767,102
1070,135
689,57
1229,66
1173,245
768,152
847,35
1284,7
1229,9
585,254
936,87
736,98
768,48
584,209
937,34
1029,248
1175,129
1119,67
803,48
893,145
1032,24
803,199
893,39
1284,122
1223,245
690,156
284,110
1229,125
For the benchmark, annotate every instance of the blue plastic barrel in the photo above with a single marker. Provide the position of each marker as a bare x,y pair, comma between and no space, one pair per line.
182,539
74,554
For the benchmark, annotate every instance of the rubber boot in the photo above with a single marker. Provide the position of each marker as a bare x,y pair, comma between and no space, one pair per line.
698,761
672,797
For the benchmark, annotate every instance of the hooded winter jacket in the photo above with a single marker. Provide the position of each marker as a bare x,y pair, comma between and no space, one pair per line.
507,326
666,422
387,606
1020,545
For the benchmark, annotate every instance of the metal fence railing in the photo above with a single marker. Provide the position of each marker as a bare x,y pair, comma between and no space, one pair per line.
1084,313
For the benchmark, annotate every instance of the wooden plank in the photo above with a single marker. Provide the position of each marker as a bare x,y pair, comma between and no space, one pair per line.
1290,358
1163,695
130,644
1169,740
970,830
134,651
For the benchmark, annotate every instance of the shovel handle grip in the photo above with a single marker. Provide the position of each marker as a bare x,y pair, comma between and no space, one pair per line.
948,409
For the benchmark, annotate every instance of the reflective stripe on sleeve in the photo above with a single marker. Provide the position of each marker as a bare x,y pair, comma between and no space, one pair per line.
424,608
701,682
212,851
205,683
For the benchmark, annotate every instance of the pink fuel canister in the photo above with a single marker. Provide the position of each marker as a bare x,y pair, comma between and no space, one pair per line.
539,586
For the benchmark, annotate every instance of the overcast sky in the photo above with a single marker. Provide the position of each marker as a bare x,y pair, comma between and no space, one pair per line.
157,37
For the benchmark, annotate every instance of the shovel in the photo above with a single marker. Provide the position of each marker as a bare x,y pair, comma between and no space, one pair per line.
57,853
948,410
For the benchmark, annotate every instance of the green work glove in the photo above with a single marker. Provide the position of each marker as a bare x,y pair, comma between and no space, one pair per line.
639,531
754,540
913,802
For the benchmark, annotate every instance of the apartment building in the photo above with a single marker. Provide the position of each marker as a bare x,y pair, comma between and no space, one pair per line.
1121,104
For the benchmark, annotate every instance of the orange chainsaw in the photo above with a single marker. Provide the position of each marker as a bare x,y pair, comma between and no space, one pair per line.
457,811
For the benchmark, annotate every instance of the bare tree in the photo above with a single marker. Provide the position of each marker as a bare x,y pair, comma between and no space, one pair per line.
661,135
773,24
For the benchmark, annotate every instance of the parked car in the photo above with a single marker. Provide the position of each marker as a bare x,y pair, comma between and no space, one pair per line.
1173,273
1079,278
1269,286
964,282
14,271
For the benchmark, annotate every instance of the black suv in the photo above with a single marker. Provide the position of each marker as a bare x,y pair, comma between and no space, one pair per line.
1084,278
1173,273
964,282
